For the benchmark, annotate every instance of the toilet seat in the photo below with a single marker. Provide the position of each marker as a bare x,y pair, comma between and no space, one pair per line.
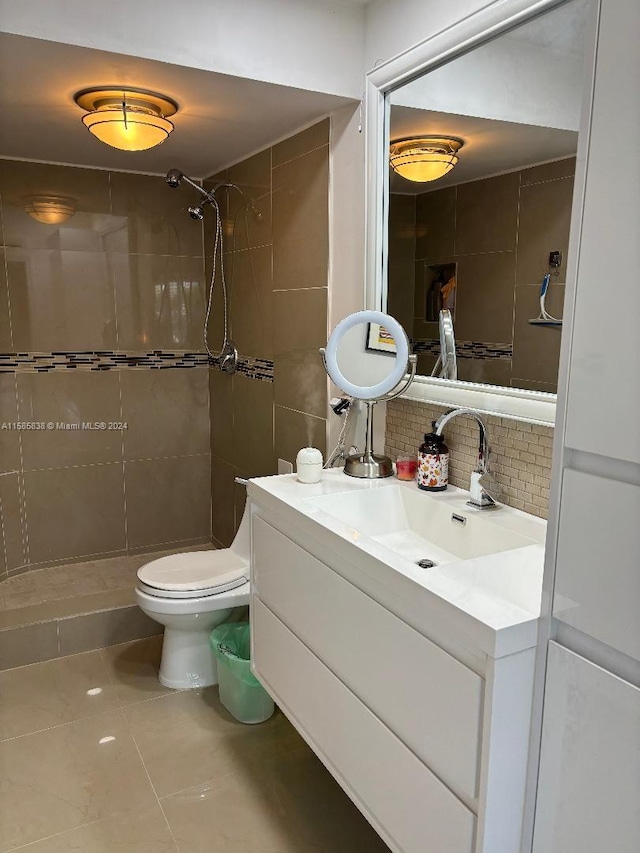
194,574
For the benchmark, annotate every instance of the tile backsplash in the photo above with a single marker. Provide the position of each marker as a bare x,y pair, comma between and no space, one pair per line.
520,455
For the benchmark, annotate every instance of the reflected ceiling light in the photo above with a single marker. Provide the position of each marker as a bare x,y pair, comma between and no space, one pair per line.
129,119
424,158
50,209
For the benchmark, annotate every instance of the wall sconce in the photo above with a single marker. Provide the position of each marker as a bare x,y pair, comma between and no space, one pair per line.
128,119
50,209
424,158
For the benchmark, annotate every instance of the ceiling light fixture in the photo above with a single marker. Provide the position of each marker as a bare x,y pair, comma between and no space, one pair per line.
424,158
128,119
50,209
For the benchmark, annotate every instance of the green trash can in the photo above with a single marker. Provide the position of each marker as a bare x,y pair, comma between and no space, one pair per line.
240,691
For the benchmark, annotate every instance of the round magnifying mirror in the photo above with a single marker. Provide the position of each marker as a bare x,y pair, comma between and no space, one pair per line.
367,354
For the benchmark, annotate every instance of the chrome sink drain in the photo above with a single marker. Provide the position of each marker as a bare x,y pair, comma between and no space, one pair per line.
426,564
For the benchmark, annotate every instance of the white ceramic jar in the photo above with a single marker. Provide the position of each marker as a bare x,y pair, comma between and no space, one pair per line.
309,465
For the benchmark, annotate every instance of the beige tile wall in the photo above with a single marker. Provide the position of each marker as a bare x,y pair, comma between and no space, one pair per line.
278,281
499,231
125,273
402,255
520,452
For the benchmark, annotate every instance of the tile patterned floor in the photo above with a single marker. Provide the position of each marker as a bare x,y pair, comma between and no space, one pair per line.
96,756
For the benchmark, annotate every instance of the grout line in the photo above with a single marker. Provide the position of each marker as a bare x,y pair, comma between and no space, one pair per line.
257,773
155,793
248,249
77,654
4,541
298,289
68,722
549,180
124,469
208,783
299,412
22,495
298,156
61,562
6,271
117,462
79,826
64,562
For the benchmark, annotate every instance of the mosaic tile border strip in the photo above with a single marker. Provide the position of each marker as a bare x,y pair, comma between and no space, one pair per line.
252,368
256,368
47,362
467,349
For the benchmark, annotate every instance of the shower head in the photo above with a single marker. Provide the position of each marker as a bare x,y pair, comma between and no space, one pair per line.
174,177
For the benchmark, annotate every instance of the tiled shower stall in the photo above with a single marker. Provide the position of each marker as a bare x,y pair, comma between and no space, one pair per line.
101,321
91,305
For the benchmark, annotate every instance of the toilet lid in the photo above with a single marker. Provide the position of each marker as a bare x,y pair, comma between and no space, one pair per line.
194,573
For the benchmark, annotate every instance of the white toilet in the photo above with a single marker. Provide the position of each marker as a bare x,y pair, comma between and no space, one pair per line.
191,593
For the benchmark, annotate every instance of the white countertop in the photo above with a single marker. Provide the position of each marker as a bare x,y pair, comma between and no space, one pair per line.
491,604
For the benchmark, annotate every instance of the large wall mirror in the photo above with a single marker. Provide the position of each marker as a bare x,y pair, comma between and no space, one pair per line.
478,153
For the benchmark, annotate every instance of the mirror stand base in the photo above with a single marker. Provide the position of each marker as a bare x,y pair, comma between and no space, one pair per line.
368,466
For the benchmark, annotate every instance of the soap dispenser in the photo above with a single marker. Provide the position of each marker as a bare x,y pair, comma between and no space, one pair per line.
433,463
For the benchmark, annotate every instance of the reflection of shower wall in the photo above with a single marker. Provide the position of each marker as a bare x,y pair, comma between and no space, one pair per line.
499,231
277,402
88,310
401,262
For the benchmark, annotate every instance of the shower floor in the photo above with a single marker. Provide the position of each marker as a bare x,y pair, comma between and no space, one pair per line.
65,609
73,588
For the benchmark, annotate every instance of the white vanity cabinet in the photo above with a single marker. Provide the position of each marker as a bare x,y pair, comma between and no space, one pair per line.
425,733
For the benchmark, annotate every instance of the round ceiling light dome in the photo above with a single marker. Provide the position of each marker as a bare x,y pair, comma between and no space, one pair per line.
50,209
128,119
424,158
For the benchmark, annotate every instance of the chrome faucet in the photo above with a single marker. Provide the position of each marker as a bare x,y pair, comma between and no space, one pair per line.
483,482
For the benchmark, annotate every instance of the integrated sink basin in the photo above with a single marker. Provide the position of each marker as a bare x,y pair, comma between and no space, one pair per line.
483,566
421,526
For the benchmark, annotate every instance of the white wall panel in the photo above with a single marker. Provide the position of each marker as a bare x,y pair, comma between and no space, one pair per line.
590,765
604,381
597,587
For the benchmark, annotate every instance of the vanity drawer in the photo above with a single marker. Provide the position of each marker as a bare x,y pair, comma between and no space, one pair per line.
428,698
404,801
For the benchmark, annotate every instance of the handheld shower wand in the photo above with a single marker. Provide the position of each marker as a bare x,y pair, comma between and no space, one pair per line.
227,358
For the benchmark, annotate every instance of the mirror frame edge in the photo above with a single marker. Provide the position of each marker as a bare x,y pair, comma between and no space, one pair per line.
519,404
